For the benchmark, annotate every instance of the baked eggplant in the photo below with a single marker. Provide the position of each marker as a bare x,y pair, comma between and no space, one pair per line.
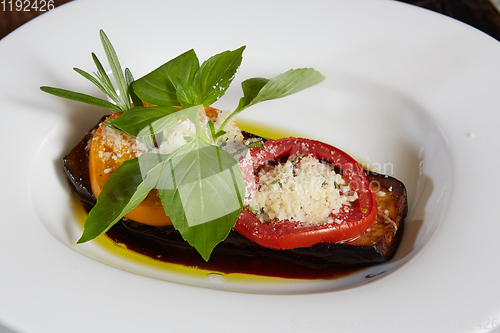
237,254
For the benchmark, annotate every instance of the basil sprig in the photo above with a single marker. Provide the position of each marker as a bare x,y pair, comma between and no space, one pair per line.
202,190
200,185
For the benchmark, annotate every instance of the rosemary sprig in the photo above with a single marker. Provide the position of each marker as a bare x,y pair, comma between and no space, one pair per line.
101,80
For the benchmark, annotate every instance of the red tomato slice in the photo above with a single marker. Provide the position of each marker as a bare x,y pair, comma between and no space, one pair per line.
288,234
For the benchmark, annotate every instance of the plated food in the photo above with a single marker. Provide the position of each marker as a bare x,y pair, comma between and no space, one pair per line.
178,181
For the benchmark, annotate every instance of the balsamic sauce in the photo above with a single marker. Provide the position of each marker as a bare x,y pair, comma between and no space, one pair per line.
165,244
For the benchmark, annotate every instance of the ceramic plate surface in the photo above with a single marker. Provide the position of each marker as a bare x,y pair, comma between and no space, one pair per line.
407,92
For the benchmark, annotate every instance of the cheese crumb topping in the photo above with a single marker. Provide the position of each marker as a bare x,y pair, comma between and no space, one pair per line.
303,190
117,146
174,136
121,147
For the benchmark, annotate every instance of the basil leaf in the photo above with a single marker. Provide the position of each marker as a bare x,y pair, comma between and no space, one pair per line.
134,121
206,236
83,98
127,187
251,88
257,90
216,74
130,79
282,85
201,188
159,87
186,94
142,121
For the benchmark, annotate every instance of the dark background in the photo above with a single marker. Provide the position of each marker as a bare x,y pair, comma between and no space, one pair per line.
481,14
11,20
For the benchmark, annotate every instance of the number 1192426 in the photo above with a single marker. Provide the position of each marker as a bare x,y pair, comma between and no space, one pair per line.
27,5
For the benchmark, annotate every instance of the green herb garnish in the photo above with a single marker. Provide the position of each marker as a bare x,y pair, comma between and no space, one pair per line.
276,181
254,143
102,81
200,185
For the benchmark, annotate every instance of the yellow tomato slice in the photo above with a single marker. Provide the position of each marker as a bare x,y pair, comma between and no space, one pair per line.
108,150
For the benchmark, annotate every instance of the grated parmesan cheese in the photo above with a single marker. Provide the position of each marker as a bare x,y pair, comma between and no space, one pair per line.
173,137
116,147
307,191
121,145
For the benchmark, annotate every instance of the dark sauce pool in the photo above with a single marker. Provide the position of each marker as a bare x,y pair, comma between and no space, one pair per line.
236,255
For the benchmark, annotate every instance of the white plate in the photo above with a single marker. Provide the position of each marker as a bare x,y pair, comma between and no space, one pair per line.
408,92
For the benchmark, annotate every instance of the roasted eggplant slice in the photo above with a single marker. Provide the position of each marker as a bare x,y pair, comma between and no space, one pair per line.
237,254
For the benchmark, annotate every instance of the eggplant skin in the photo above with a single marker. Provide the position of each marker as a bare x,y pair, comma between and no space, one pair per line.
76,168
237,253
